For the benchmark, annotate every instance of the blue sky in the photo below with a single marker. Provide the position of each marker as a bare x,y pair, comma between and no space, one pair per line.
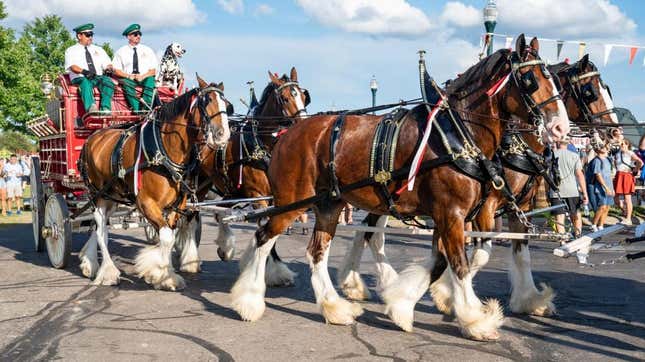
337,45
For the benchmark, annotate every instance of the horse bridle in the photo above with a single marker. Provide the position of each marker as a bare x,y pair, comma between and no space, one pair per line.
202,103
585,94
291,85
527,85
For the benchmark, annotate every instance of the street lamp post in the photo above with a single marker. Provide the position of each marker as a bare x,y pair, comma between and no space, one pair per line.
490,20
373,88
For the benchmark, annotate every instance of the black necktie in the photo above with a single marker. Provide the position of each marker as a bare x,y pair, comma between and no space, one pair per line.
90,63
135,62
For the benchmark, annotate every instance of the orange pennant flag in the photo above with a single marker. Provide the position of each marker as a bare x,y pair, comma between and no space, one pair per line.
632,54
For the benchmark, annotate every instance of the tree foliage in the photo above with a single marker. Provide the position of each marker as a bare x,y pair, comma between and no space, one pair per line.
48,39
40,49
16,142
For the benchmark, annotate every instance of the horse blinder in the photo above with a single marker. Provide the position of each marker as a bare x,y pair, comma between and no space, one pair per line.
529,83
588,93
307,97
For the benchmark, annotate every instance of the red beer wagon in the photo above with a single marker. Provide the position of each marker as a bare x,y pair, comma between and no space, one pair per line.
57,189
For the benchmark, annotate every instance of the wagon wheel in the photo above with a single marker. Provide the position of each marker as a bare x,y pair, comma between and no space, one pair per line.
194,231
152,236
57,231
37,204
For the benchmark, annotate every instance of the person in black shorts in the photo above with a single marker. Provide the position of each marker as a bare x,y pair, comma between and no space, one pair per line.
571,186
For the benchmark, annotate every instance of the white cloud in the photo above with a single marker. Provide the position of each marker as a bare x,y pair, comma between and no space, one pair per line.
584,18
112,15
378,17
461,15
232,6
263,9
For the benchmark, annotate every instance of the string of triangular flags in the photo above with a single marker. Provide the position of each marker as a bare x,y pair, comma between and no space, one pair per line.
582,46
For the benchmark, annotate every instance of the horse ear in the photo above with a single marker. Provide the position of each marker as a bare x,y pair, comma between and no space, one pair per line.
294,74
583,63
200,81
273,78
520,45
220,86
535,44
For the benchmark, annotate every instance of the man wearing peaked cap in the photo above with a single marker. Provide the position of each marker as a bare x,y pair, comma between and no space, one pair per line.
136,64
86,63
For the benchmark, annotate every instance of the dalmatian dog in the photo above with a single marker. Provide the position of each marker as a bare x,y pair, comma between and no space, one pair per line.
170,75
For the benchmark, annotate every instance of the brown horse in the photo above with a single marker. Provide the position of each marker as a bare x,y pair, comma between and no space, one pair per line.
588,103
169,141
238,170
304,165
525,297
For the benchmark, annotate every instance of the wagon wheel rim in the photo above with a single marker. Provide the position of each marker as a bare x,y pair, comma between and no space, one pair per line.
37,204
58,239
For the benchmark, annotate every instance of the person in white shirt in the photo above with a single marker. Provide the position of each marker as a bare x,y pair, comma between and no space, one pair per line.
627,163
135,64
86,63
13,180
3,188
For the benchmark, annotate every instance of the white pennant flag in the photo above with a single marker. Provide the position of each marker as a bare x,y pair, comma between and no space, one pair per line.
607,51
509,41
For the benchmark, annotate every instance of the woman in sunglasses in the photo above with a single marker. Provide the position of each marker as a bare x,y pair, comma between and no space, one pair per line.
135,65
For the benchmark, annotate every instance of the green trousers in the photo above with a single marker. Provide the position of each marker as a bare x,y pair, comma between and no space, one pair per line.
148,85
86,91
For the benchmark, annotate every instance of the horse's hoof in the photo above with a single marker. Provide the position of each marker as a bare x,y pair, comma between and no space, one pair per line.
109,275
192,267
89,268
225,256
340,311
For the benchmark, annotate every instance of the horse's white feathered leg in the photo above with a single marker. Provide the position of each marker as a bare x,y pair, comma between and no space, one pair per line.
89,257
525,297
154,264
189,257
108,274
334,308
247,295
386,273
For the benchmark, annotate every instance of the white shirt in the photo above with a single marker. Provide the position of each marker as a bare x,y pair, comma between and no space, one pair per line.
13,172
75,55
624,161
124,56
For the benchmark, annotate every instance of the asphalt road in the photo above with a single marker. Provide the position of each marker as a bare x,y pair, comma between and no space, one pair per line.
50,314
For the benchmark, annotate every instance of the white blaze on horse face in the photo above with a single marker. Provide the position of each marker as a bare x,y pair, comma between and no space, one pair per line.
558,124
302,111
609,104
222,138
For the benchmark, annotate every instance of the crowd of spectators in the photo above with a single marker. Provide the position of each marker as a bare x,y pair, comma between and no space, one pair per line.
596,179
14,176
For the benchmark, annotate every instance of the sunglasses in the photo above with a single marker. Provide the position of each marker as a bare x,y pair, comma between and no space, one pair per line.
88,34
136,33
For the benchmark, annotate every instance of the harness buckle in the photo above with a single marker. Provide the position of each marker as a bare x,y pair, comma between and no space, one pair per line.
121,172
498,183
157,159
382,177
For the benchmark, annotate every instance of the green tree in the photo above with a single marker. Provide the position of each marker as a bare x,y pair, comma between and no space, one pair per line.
16,142
20,97
48,39
108,49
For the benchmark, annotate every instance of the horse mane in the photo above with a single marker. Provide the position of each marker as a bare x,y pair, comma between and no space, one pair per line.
558,68
176,107
266,93
472,77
